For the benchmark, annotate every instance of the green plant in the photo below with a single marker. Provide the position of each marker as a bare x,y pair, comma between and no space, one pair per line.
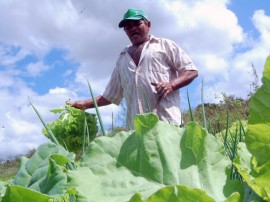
156,162
253,161
129,162
216,113
68,128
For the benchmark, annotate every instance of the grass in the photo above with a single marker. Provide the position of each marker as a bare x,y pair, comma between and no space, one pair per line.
9,168
216,114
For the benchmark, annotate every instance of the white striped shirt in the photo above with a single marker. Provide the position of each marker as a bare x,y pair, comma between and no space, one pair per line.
161,60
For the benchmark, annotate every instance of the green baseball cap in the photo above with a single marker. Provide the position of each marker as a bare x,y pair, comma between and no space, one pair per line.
132,14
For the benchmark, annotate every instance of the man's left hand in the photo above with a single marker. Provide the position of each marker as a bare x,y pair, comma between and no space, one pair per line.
163,89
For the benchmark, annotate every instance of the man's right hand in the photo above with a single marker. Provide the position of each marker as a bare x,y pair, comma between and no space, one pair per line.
79,104
88,104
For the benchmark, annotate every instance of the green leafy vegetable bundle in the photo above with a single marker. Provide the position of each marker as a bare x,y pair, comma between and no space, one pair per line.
68,128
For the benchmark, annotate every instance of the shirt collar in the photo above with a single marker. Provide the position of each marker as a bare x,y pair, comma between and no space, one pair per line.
151,40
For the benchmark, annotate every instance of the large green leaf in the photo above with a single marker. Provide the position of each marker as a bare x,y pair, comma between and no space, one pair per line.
17,193
255,166
22,194
256,177
154,160
178,193
43,172
258,133
3,186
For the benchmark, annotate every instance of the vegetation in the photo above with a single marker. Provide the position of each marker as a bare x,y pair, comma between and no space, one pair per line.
69,127
158,162
217,114
9,168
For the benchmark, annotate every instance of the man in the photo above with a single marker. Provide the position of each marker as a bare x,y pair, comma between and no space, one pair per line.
148,73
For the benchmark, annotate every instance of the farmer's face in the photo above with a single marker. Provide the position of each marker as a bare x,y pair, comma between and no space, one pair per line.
137,30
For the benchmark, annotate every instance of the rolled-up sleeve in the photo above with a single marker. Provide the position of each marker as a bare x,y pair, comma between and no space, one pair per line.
181,60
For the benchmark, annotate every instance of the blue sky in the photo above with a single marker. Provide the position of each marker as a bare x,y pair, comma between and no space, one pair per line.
50,49
245,10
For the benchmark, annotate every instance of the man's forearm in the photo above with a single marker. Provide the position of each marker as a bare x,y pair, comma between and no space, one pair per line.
89,103
100,100
183,79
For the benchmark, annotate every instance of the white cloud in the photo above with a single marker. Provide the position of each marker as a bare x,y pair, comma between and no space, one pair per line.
262,23
89,33
10,54
58,90
212,65
35,69
242,73
200,25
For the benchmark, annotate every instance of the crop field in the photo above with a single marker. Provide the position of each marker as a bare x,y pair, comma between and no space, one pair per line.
155,162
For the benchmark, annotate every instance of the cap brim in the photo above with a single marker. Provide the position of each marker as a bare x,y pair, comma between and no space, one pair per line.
122,23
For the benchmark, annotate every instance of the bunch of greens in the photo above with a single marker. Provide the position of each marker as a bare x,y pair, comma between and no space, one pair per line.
69,127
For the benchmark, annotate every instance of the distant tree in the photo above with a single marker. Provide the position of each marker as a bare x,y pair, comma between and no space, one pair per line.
216,114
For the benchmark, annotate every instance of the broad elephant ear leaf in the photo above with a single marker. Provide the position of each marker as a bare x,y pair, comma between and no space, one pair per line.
257,137
42,173
155,159
177,193
253,161
19,193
